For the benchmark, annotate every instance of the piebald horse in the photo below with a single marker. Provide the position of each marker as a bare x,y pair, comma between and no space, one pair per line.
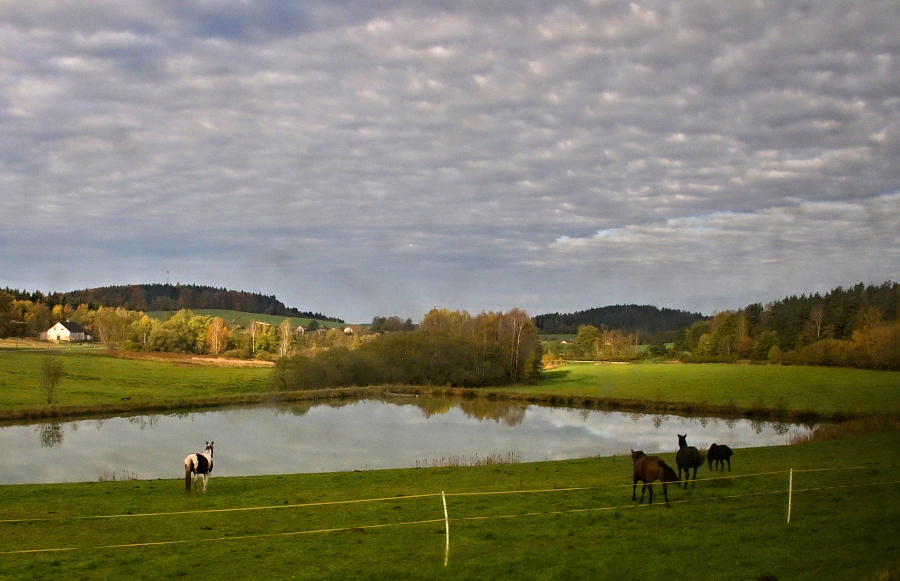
198,466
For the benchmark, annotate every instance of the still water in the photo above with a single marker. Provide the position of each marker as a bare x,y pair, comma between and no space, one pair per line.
400,432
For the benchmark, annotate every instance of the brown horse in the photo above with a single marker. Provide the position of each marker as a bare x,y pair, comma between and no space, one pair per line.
647,469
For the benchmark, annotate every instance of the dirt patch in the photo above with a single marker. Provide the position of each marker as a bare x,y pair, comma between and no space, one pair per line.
187,359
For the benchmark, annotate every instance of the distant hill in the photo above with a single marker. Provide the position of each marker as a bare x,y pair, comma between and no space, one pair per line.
168,297
649,321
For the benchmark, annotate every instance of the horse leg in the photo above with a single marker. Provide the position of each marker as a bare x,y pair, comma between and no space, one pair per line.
634,490
729,465
666,493
693,481
649,487
205,480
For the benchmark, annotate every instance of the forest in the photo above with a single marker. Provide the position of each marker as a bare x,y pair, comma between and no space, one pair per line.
854,327
168,297
648,322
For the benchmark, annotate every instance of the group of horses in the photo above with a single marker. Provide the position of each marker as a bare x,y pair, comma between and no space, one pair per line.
648,469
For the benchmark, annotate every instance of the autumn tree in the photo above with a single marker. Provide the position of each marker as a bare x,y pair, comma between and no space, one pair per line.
285,337
217,336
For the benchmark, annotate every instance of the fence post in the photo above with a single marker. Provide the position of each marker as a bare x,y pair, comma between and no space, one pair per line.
790,495
446,527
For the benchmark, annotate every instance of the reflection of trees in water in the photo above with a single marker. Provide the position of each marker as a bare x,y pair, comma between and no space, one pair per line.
485,409
51,435
297,409
432,406
144,421
781,428
659,420
480,408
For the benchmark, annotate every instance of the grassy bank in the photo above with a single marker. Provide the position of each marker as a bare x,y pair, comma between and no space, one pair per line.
97,381
555,520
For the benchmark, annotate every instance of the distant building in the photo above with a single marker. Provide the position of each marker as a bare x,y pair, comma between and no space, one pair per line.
67,332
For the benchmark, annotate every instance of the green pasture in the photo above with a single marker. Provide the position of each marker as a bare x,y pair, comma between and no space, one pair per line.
819,389
537,521
94,379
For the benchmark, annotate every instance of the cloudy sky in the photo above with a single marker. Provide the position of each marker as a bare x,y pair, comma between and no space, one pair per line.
389,156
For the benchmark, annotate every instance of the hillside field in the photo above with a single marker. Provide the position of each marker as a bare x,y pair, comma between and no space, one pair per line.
239,318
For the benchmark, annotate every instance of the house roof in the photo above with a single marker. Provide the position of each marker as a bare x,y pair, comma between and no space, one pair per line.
73,327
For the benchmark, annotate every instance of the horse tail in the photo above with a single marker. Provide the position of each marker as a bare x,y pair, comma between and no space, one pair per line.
188,467
671,475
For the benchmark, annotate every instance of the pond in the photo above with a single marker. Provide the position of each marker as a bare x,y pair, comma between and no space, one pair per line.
400,432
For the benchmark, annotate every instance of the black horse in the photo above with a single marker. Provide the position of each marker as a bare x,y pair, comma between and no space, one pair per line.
720,454
688,457
648,469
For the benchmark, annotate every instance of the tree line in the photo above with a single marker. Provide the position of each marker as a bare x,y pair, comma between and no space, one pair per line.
446,348
168,297
649,323
853,327
182,332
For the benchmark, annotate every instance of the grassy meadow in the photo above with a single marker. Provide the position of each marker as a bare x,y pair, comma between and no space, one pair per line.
550,520
94,378
823,390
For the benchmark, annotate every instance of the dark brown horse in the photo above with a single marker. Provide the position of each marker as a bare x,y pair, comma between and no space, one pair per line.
688,457
648,469
720,454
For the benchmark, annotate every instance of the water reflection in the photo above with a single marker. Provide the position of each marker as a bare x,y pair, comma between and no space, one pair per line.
51,435
398,432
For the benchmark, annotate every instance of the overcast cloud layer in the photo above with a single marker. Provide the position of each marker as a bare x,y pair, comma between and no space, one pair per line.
389,156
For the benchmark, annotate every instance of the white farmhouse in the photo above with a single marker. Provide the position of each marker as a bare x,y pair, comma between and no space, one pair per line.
67,331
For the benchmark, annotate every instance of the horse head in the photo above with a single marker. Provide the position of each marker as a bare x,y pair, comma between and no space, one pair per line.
682,440
209,448
636,454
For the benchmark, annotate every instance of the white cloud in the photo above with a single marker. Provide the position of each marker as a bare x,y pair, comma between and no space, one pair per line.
387,158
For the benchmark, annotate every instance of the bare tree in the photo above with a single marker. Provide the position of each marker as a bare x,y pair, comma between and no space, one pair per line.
817,314
286,337
50,374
